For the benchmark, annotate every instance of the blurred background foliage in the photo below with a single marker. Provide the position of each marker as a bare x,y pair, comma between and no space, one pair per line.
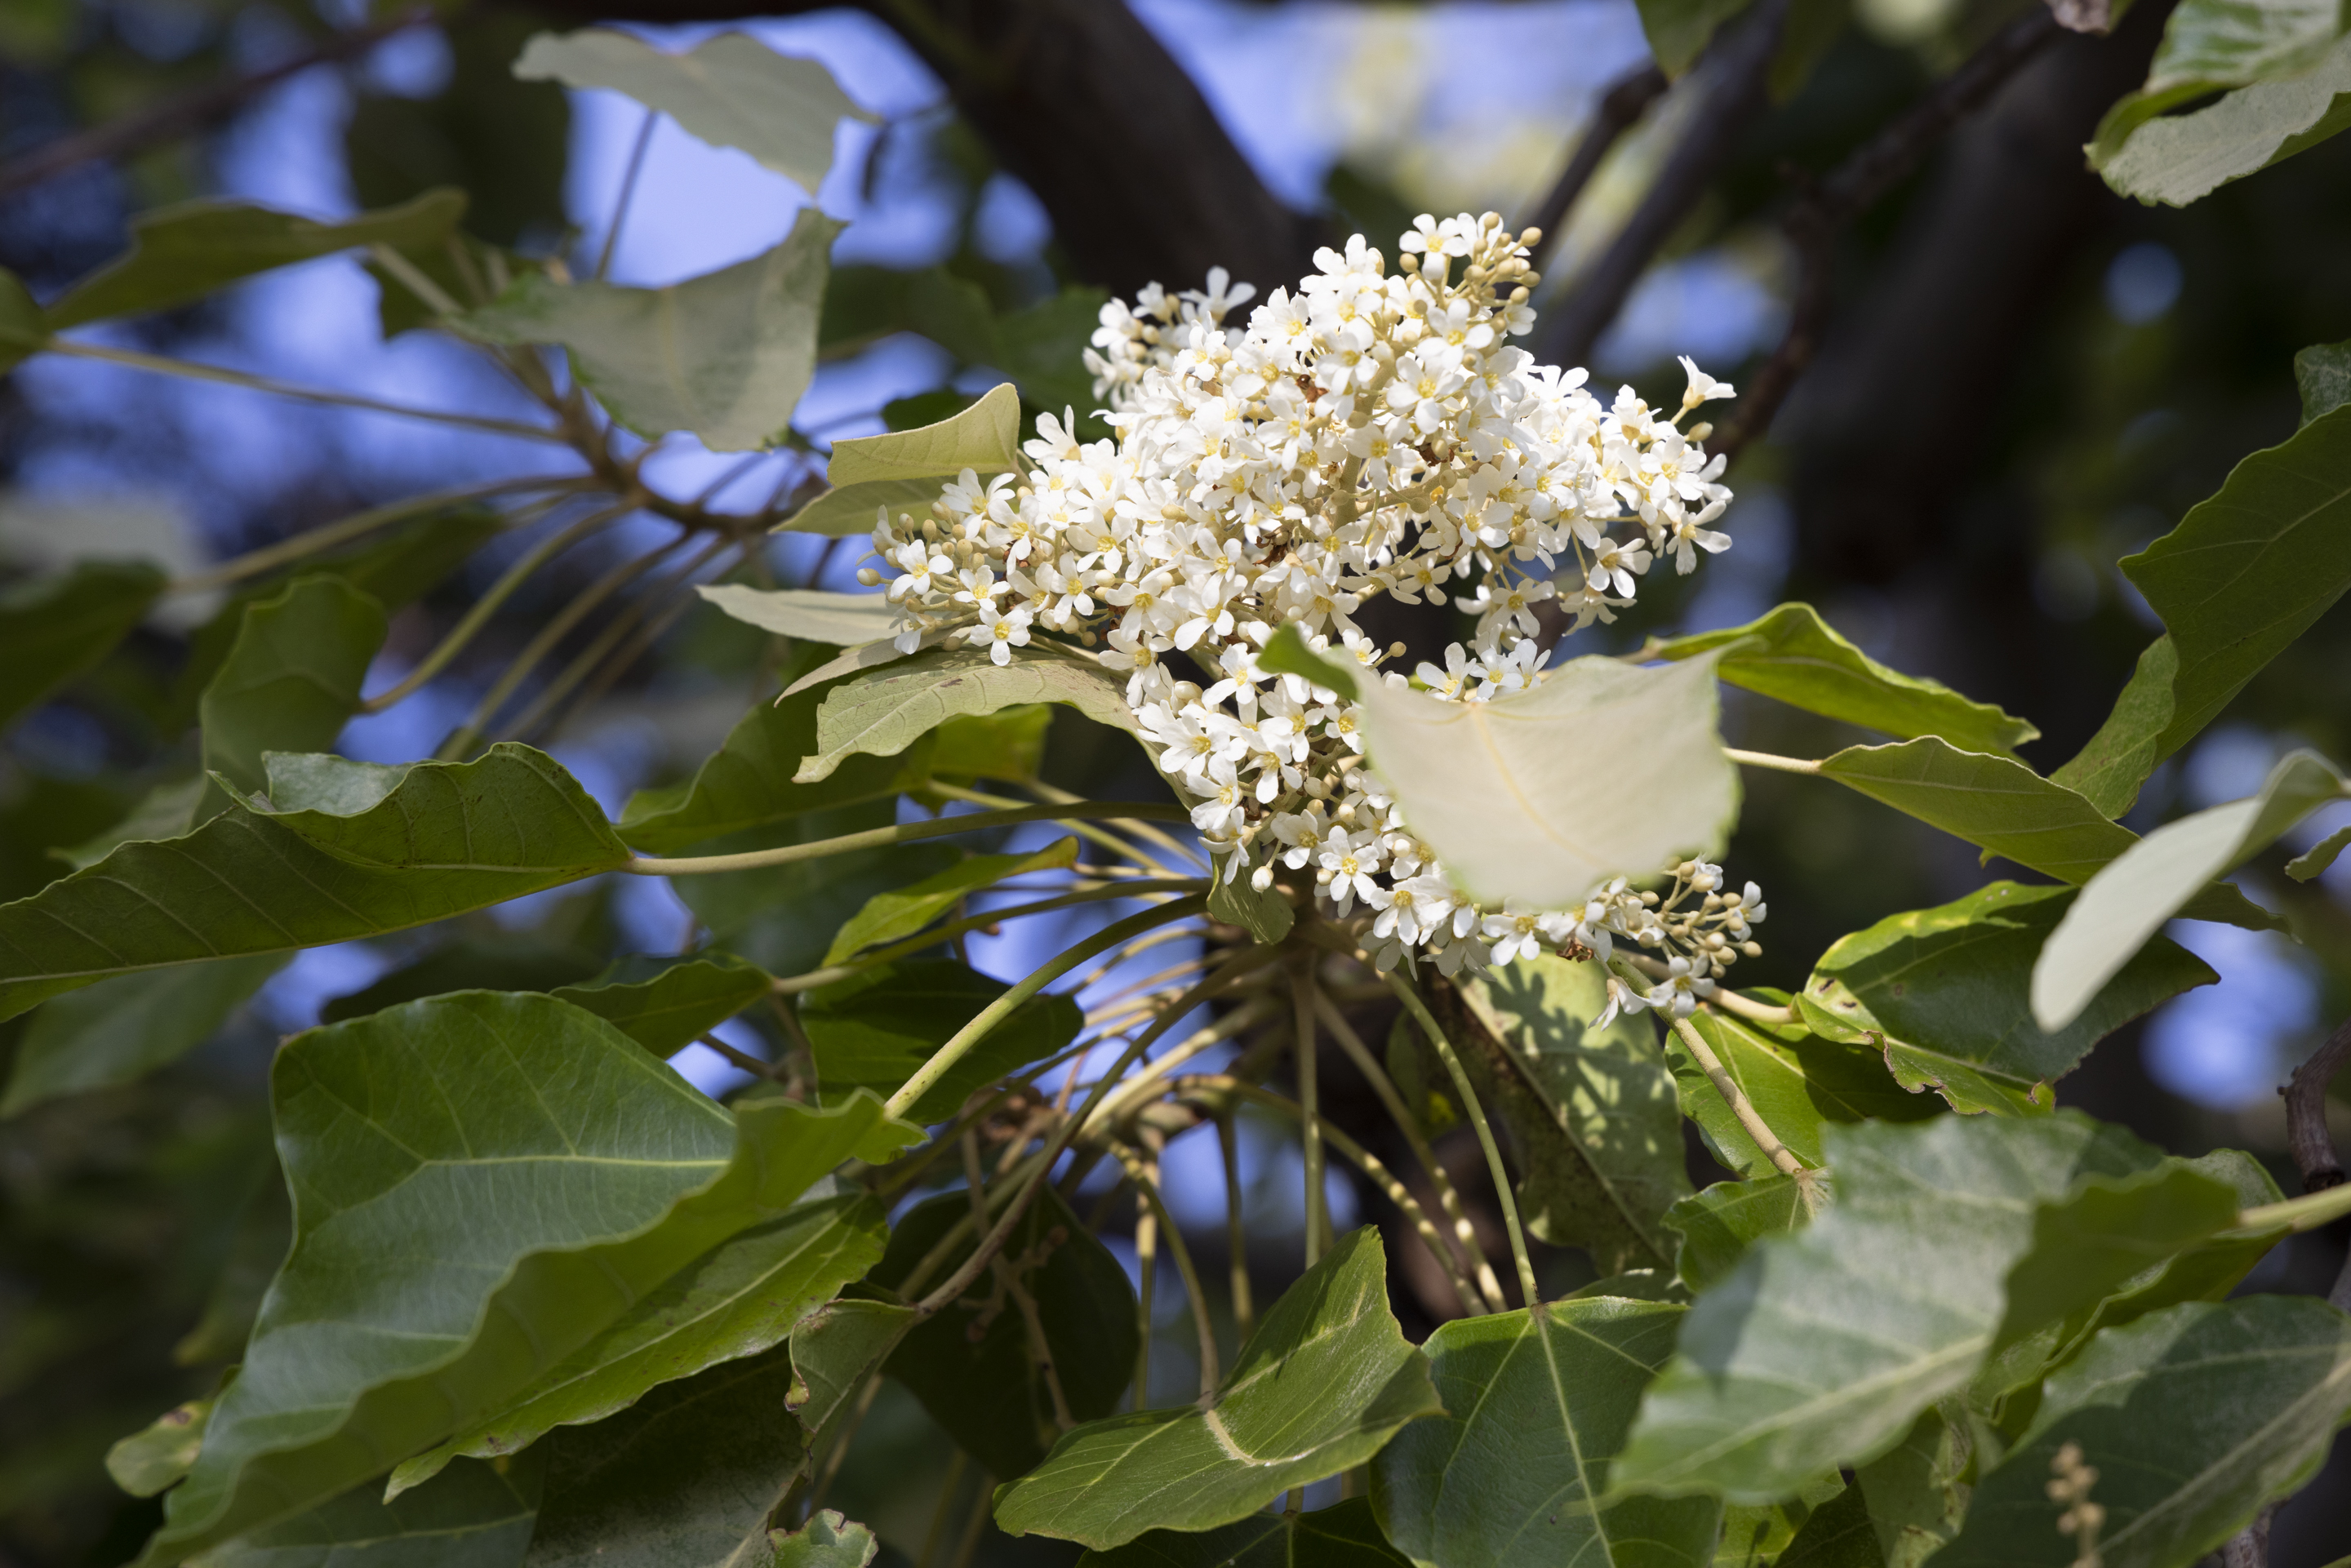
2024,378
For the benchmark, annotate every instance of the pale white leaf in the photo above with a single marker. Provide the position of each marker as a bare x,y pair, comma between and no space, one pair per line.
905,469
844,620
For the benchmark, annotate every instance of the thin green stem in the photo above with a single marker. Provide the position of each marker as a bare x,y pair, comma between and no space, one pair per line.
1108,840
1309,1135
938,827
1236,1231
621,207
478,616
1406,994
611,636
934,936
961,1042
2298,1214
428,293
194,372
1145,1177
1767,759
252,563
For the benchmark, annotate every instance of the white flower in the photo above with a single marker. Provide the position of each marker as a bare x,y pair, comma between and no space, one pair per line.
1001,632
1703,387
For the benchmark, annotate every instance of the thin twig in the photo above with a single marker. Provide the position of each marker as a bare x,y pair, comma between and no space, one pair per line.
1624,101
1310,1125
628,192
187,111
1145,1174
817,848
1733,73
1236,1231
326,537
2305,1112
1782,1158
1856,185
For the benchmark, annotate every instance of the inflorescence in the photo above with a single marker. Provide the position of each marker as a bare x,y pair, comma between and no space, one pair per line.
1373,432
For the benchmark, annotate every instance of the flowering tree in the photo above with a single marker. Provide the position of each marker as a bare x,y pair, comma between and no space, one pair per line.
535,1300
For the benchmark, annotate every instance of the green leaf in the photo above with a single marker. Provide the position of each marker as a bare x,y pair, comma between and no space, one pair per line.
683,1479
2322,373
731,91
843,620
1823,1344
1590,1111
1943,992
834,1349
475,1516
1344,1535
2005,809
1515,1475
2126,903
53,629
1007,744
743,1296
1792,655
470,1210
676,1005
881,712
826,1541
180,253
157,1456
1042,349
502,961
2209,1271
2248,570
725,355
872,1029
2314,862
513,812
165,812
119,1030
1327,1379
290,683
1914,1494
257,1245
21,327
782,917
2295,99
747,782
1797,1081
905,470
972,1363
1606,768
1678,30
1717,1224
893,916
1265,916
2193,1417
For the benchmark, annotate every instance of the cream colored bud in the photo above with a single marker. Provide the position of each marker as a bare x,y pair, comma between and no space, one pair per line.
1701,430
869,577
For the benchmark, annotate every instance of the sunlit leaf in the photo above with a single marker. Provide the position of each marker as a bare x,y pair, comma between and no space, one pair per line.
740,1298
2295,97
181,253
120,1029
157,1456
844,620
884,711
2193,1417
683,1479
52,629
972,1363
731,90
2315,861
475,1516
1327,1379
1344,1535
1604,770
748,782
1796,1080
290,683
665,1005
1717,1224
1591,1110
725,355
2248,570
1793,656
471,1210
1822,1346
1265,916
903,912
826,1541
1943,994
2108,927
905,470
873,1030
1514,1476
2004,807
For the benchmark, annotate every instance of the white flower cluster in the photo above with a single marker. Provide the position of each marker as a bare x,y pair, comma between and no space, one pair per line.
1371,433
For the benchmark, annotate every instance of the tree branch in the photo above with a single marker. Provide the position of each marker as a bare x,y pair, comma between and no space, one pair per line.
2305,1112
1855,185
1624,101
191,110
1734,72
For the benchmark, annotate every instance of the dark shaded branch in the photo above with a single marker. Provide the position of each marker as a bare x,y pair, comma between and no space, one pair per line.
189,112
1626,100
1734,74
1856,185
1079,100
2305,1112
